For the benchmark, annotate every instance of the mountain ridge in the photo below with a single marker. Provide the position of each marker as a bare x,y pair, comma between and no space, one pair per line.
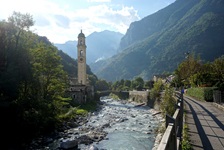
195,26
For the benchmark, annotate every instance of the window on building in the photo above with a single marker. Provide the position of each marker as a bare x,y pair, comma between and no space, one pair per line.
81,53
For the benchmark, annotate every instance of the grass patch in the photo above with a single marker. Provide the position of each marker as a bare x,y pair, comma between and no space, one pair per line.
114,96
185,141
69,113
201,93
81,112
72,112
185,137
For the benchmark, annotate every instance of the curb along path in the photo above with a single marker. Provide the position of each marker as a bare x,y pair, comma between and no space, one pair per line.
205,125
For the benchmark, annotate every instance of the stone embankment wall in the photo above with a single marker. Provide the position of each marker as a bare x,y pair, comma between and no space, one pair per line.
144,97
139,96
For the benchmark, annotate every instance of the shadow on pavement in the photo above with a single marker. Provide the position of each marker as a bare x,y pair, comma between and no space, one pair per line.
219,123
205,141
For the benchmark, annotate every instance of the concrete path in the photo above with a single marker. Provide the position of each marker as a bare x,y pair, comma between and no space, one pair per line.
205,123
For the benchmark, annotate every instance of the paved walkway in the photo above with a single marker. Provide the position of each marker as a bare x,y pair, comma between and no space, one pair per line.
206,125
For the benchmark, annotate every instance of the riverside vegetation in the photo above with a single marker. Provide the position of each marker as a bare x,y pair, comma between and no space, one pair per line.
33,79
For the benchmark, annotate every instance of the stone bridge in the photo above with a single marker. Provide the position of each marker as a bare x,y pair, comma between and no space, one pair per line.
120,94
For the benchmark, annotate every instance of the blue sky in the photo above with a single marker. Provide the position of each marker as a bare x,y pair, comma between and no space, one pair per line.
62,20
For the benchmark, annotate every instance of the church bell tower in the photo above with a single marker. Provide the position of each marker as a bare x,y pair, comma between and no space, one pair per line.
81,50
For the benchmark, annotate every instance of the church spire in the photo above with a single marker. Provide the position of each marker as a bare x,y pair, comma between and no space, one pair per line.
81,53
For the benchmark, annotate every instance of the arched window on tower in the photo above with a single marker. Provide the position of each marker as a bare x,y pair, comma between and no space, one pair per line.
81,53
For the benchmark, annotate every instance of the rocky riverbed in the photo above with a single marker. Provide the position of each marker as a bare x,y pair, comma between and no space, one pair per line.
117,125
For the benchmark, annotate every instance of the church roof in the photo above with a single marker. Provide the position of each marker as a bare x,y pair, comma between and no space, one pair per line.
81,34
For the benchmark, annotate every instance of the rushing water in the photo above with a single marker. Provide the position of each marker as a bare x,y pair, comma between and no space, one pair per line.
131,128
128,127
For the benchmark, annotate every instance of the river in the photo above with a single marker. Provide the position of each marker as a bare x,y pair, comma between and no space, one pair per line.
118,125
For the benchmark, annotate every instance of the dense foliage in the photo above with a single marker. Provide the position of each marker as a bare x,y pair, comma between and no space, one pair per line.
202,93
155,91
33,80
192,73
157,43
136,84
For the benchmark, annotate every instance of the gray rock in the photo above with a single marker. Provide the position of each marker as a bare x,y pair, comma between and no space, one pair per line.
106,125
69,144
93,147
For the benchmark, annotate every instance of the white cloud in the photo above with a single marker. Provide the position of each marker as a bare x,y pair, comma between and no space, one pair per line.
61,23
99,1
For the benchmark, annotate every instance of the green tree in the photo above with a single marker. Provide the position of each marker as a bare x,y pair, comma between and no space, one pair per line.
155,91
48,72
32,80
93,79
116,85
203,77
17,69
102,85
149,84
21,22
43,102
186,69
127,85
138,83
218,72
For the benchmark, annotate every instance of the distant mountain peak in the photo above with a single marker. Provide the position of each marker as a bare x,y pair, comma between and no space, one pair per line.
99,45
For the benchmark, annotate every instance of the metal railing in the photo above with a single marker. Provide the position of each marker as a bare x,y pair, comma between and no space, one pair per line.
172,137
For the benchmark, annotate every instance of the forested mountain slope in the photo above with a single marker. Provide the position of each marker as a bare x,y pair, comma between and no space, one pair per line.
158,42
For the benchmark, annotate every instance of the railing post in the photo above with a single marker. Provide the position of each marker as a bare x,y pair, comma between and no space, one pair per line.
169,119
173,141
181,118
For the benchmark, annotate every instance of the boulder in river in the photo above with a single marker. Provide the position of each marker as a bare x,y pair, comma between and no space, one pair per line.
93,147
68,144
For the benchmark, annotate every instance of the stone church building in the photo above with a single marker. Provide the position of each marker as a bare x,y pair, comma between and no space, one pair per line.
80,90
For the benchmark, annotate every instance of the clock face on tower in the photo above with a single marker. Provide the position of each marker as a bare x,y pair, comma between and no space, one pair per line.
81,59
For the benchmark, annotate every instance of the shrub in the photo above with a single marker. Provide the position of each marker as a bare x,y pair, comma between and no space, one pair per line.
114,96
71,113
168,102
155,92
202,93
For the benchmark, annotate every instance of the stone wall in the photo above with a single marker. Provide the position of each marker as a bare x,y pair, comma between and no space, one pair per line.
139,96
144,97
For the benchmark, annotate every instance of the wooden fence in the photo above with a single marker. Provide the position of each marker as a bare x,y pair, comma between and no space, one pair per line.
172,137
